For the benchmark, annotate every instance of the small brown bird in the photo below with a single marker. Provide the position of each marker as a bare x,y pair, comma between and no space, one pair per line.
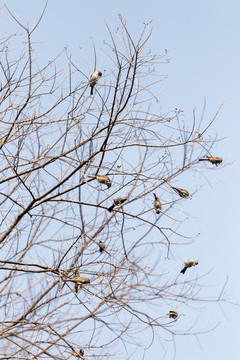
102,246
78,354
118,201
189,263
157,204
181,192
79,281
172,314
103,179
216,160
94,79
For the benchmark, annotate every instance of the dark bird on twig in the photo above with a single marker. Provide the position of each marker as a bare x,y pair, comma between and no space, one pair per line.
78,354
172,314
157,204
103,179
102,246
118,201
216,160
189,263
94,79
181,192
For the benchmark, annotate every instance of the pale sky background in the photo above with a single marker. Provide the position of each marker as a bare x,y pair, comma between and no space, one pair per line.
202,38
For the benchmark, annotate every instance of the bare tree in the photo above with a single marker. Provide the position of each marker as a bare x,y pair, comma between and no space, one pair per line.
60,296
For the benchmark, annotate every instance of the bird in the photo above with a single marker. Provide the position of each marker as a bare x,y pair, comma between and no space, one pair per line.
189,263
103,179
118,201
78,354
79,281
94,79
157,204
216,160
181,192
102,246
172,314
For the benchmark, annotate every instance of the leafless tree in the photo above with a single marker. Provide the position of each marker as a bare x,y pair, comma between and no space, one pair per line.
60,296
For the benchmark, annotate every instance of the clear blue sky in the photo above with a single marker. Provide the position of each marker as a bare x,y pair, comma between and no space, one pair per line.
203,43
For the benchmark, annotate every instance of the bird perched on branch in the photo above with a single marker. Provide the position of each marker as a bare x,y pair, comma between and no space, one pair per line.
118,201
189,263
79,281
181,192
78,354
172,314
103,179
157,204
102,246
94,79
216,160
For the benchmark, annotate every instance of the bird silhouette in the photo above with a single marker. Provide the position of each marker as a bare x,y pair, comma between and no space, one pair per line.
102,246
189,263
172,314
181,192
216,160
78,354
79,281
118,201
95,76
103,179
157,204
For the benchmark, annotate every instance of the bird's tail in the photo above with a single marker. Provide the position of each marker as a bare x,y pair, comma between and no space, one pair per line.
203,159
91,93
183,270
110,209
76,288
